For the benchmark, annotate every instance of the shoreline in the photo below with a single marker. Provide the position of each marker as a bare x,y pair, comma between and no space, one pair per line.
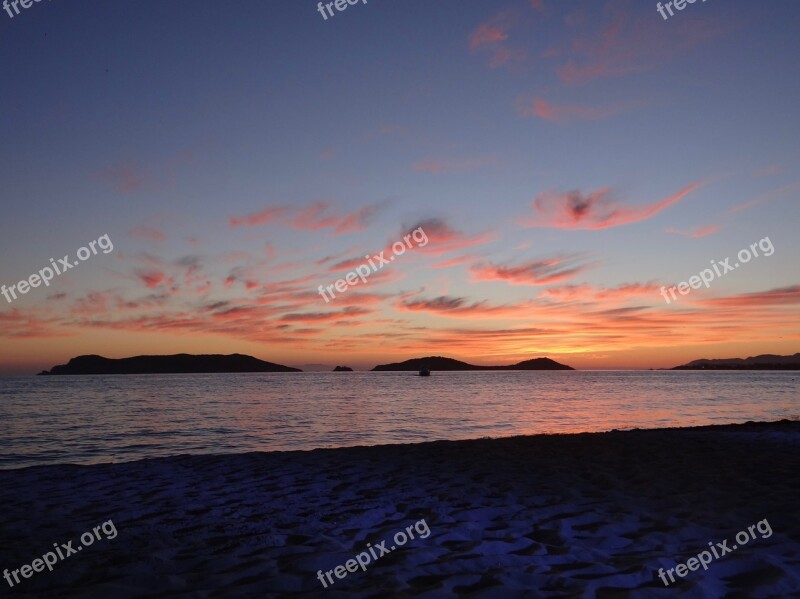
556,515
749,423
742,426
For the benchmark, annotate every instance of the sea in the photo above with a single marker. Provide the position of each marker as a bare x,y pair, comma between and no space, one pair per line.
102,419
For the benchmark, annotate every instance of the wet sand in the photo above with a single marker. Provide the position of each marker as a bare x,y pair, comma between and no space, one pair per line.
540,516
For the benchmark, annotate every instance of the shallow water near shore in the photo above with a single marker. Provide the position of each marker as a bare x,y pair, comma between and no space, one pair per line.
95,419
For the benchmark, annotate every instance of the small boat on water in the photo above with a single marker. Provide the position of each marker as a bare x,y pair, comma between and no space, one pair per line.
424,372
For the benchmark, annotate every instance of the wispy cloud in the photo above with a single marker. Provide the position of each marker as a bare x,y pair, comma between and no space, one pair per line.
594,210
537,272
437,166
316,217
124,177
491,37
563,113
766,197
624,43
442,238
147,233
487,34
695,233
262,217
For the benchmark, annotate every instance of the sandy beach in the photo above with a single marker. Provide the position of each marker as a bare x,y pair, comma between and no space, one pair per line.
541,516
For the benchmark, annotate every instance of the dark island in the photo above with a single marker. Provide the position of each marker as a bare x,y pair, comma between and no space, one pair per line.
176,364
441,363
763,362
342,369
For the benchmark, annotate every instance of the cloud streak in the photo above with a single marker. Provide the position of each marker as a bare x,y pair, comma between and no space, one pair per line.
576,210
537,272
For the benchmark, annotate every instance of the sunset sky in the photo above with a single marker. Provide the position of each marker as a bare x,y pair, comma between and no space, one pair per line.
565,160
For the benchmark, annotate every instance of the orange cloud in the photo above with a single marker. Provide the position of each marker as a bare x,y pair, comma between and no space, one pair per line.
459,307
29,324
595,210
588,293
349,312
785,296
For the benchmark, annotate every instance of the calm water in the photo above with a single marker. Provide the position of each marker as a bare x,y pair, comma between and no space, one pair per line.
90,419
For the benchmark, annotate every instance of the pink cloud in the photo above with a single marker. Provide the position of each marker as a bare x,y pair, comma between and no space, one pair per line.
487,33
538,5
595,210
490,37
559,114
626,44
442,238
435,167
150,278
766,197
768,170
695,233
258,218
315,218
125,177
457,261
146,233
538,272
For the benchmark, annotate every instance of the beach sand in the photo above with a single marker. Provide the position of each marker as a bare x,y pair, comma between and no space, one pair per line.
589,515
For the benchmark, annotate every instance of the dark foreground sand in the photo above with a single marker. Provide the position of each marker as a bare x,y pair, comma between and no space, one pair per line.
544,516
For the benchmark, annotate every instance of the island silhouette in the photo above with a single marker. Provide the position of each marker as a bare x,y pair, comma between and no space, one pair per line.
442,363
762,362
175,364
218,363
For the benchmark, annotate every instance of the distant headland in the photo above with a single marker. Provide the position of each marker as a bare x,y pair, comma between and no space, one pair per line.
441,363
763,362
176,364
